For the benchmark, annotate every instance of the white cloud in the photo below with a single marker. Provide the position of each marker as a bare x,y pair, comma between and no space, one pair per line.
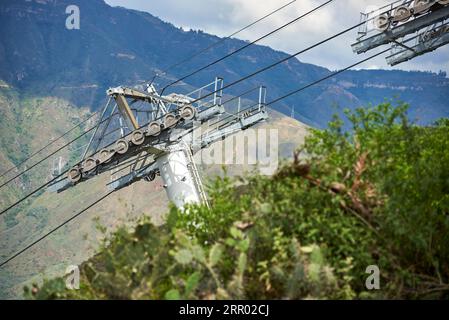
223,17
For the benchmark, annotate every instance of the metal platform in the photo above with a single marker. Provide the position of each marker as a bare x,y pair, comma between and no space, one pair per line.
386,37
424,42
162,141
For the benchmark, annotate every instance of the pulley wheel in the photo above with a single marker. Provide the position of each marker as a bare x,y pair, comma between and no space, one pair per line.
154,129
382,22
121,146
74,175
105,155
421,6
89,164
137,137
170,120
187,112
402,14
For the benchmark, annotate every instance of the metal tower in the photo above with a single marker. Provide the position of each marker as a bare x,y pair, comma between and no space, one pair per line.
411,27
160,137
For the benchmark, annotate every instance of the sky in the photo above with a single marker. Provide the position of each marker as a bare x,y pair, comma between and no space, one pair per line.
223,17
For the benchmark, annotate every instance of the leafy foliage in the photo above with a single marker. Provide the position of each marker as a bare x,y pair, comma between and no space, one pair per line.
377,195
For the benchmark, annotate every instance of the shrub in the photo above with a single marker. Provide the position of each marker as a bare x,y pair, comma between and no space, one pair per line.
376,195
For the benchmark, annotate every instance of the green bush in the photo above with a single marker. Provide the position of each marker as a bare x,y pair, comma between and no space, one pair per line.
377,195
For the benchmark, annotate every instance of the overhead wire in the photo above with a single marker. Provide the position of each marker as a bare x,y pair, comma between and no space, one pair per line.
55,229
49,144
51,154
289,57
247,45
259,71
231,84
48,182
219,42
240,80
273,101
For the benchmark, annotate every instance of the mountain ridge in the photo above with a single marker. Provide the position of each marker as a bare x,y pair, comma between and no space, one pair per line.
118,46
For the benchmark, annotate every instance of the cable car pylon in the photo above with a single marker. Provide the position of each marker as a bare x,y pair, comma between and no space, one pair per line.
165,144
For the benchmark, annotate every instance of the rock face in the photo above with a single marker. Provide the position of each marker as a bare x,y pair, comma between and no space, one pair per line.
117,46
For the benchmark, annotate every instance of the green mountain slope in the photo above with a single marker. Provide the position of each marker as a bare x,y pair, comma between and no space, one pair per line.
118,46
